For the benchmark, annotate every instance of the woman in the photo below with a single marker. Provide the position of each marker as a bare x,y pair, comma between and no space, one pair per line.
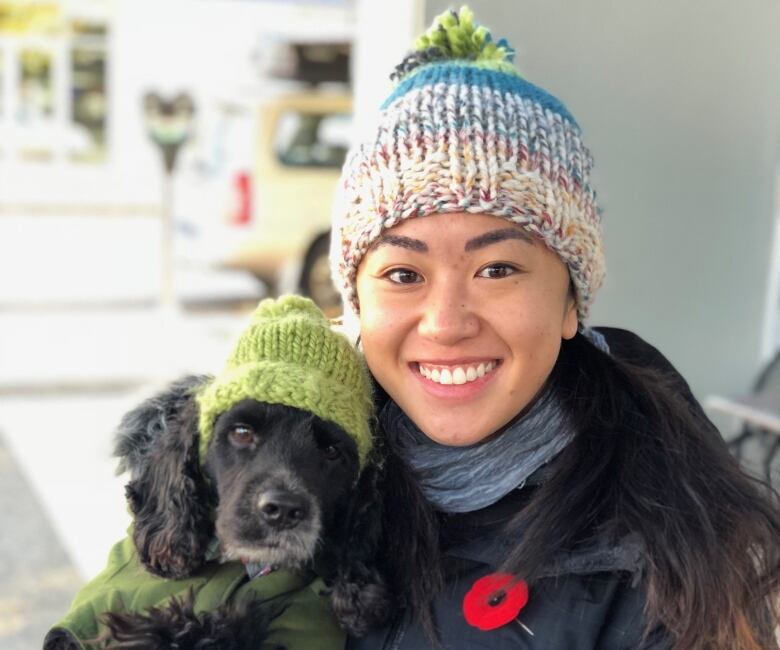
467,243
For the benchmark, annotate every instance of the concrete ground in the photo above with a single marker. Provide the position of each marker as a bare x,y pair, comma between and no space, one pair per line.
37,576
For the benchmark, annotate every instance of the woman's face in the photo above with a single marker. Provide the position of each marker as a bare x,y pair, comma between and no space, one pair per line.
461,320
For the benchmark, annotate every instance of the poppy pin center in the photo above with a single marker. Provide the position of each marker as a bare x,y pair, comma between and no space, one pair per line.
497,598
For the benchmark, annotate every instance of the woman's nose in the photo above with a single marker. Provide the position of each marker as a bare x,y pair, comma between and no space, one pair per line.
447,317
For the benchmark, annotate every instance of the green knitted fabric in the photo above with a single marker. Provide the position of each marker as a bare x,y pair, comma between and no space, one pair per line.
455,35
289,355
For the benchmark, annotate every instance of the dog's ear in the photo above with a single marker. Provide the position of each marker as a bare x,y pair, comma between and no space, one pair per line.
150,420
411,537
359,595
168,494
390,511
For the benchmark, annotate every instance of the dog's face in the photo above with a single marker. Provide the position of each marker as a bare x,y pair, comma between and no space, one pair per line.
285,484
280,474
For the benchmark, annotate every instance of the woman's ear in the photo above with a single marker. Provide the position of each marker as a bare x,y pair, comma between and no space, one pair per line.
170,498
569,326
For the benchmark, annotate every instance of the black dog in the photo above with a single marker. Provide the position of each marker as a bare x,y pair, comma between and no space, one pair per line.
294,503
286,490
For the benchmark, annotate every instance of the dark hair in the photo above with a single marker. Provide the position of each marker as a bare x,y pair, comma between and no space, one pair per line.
647,462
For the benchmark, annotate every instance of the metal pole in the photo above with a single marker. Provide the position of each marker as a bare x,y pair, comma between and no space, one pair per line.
168,291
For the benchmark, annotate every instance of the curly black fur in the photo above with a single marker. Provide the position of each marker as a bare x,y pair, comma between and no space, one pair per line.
359,596
59,638
150,421
409,528
171,501
230,627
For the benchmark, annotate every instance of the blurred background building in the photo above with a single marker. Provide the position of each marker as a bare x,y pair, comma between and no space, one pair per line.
679,102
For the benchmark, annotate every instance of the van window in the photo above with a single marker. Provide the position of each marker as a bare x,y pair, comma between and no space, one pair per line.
313,139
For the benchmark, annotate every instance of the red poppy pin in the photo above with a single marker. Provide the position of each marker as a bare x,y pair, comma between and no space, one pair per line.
495,600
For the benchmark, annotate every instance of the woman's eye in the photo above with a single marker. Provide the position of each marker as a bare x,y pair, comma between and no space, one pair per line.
242,435
330,452
497,271
403,276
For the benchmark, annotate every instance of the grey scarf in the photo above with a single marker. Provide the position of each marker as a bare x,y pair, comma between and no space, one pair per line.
464,479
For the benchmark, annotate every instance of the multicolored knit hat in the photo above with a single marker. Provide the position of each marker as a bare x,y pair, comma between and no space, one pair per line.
464,132
290,355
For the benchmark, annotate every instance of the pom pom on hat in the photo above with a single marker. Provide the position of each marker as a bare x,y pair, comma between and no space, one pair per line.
290,355
454,36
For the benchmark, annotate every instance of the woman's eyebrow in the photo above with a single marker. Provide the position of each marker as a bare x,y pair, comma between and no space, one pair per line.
495,236
403,242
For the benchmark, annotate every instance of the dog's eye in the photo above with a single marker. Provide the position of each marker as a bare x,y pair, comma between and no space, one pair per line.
242,435
331,452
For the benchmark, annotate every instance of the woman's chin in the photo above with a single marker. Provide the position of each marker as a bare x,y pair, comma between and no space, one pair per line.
450,433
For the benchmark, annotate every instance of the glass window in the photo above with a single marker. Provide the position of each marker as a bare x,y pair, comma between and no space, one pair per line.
88,104
36,100
35,103
312,139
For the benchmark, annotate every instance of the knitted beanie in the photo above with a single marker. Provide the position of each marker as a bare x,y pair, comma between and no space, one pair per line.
464,132
289,355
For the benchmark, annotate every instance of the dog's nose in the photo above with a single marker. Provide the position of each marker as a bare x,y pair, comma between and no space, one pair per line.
281,509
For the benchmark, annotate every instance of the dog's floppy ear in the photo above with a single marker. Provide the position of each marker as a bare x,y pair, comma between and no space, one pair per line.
410,532
151,419
391,510
359,595
168,494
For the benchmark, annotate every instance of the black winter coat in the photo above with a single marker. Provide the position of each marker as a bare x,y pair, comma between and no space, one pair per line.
593,600
588,603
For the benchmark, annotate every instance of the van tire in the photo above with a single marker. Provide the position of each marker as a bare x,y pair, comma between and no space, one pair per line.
315,279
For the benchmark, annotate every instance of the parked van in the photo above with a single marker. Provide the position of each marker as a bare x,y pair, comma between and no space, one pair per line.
265,205
302,142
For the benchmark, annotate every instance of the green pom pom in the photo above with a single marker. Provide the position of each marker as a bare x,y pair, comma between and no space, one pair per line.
286,306
456,37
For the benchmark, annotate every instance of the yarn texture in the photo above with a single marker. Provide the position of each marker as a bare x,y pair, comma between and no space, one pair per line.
463,132
290,355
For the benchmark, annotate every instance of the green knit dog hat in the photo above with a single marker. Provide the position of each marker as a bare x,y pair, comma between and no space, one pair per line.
290,355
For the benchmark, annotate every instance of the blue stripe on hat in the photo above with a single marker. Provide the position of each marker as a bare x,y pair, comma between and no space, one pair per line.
465,74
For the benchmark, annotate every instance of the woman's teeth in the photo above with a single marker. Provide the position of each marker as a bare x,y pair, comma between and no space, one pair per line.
457,374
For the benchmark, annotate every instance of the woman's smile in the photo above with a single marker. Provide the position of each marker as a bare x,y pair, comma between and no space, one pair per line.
454,381
456,373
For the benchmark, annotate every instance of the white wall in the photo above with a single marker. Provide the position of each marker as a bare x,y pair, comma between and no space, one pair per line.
680,103
383,33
